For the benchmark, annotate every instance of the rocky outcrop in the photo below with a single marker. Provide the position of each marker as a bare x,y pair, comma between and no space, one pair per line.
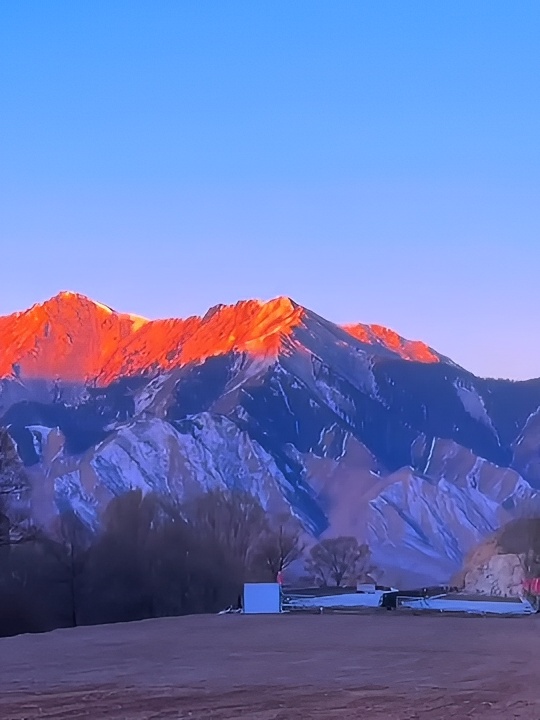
490,572
502,563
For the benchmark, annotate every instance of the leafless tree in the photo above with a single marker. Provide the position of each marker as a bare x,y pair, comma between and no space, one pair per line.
280,545
337,561
4,522
233,520
76,538
4,529
34,582
115,571
149,561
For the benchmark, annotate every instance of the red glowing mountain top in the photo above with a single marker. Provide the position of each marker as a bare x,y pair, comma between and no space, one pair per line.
407,349
250,325
68,336
75,339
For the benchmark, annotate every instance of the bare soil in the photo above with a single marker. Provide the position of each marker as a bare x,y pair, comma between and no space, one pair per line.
391,666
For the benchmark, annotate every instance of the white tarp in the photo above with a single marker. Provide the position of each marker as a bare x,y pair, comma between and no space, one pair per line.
469,606
371,599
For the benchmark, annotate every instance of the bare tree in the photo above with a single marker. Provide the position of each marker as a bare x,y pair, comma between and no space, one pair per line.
148,561
115,573
336,561
34,577
280,546
76,538
4,522
4,529
14,489
234,521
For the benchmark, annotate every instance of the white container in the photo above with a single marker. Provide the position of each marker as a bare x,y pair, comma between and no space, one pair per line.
262,598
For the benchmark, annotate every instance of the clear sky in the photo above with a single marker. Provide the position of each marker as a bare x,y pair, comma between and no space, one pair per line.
376,160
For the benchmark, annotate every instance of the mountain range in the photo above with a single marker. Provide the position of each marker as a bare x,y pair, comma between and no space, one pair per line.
354,429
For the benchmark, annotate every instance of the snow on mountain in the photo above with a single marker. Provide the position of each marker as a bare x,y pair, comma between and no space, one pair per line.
355,430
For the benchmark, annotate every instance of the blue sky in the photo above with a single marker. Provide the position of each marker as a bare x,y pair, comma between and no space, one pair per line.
378,161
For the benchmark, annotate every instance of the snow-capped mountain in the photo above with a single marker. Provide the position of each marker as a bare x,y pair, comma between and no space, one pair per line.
356,429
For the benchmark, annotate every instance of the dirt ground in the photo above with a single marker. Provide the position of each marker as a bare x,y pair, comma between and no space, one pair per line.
389,666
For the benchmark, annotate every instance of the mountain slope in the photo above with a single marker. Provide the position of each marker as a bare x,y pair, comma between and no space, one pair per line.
356,430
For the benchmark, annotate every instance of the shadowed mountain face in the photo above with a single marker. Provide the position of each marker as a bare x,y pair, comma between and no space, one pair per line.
357,430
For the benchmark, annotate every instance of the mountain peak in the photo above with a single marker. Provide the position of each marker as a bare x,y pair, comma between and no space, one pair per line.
67,294
254,326
67,336
77,339
69,298
414,350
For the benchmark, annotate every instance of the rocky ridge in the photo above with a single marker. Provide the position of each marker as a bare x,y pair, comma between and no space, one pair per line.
355,429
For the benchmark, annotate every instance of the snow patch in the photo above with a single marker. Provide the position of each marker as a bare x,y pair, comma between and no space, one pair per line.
70,495
40,435
473,404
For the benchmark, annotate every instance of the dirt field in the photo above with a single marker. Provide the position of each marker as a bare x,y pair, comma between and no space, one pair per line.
384,665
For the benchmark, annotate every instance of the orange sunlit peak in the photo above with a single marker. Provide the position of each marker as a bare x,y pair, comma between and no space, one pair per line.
407,349
70,297
284,301
74,337
280,305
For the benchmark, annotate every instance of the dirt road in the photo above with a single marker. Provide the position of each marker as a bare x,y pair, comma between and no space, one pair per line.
379,666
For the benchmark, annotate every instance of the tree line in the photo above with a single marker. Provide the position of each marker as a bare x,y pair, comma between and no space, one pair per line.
152,559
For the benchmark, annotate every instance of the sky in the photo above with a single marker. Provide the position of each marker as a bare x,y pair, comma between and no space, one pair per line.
375,160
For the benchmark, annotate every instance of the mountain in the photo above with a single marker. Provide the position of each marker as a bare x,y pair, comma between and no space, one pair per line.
354,429
73,339
69,337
